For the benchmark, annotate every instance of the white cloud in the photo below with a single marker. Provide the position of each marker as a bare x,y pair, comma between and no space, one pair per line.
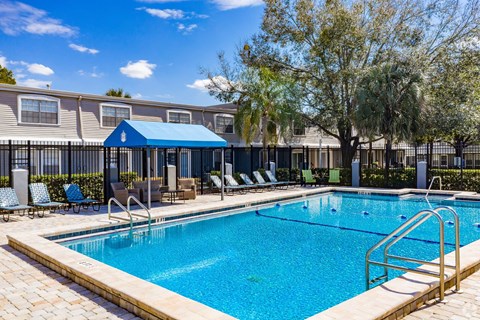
138,70
37,68
137,96
35,83
18,17
164,96
81,48
186,28
204,84
93,74
3,61
165,13
234,4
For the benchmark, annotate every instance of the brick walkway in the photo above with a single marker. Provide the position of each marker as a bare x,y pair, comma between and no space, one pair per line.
28,290
464,306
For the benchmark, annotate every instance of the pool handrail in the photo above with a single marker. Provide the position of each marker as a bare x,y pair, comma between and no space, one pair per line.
148,216
405,229
121,207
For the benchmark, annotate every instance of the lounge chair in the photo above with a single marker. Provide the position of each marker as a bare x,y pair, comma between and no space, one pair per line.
41,199
308,177
218,184
76,199
9,204
258,176
334,176
231,182
255,186
187,185
274,180
121,193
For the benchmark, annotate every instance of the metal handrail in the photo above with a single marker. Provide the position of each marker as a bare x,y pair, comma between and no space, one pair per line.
386,255
123,208
431,184
149,216
407,227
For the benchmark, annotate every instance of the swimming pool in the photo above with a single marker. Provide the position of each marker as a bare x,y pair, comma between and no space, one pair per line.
284,262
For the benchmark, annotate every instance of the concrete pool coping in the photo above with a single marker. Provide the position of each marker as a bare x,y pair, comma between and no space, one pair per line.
403,294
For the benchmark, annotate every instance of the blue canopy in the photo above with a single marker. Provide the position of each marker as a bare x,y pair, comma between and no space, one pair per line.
143,134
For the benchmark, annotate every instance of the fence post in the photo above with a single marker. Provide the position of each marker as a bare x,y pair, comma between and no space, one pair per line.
328,158
307,160
118,167
10,163
275,156
29,161
69,162
165,167
268,157
201,171
416,163
251,160
461,165
289,163
106,170
232,154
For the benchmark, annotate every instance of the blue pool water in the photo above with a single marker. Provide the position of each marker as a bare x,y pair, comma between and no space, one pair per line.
287,262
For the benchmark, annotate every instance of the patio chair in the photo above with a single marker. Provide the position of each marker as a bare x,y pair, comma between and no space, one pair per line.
218,184
9,204
76,199
334,176
121,193
254,186
231,182
188,186
258,176
156,190
41,199
308,177
274,180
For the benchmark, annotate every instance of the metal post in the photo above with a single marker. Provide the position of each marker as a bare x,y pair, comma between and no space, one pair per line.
10,163
251,160
268,156
307,154
149,183
222,173
328,158
461,165
177,162
232,154
118,165
275,157
69,162
289,163
320,164
165,170
201,171
29,161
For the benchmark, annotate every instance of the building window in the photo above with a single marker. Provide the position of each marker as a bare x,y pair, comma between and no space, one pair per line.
224,124
39,110
112,115
179,117
298,128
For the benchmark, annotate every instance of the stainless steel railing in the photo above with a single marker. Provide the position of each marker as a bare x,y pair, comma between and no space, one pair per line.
130,219
431,184
148,216
403,230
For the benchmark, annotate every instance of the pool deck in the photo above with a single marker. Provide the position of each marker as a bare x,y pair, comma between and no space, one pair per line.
30,290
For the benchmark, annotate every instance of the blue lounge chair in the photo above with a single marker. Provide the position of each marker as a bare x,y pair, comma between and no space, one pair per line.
41,199
218,183
76,199
9,204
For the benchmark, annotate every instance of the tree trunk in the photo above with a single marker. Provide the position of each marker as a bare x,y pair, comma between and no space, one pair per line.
348,150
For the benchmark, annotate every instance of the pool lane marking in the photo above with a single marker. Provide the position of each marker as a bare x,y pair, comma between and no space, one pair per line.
348,229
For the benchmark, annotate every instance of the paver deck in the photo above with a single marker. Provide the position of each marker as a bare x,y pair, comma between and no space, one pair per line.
29,290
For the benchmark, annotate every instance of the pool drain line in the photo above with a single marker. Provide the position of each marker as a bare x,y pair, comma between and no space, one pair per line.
257,212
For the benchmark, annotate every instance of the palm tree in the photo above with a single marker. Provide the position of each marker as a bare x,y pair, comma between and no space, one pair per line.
6,76
117,93
390,104
266,106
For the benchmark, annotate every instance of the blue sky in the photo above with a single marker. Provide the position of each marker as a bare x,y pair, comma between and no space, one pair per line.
153,49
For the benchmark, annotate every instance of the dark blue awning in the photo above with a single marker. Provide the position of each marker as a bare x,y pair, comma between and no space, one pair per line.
143,134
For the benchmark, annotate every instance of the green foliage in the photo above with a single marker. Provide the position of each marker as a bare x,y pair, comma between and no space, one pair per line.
4,181
6,76
117,93
452,180
282,174
398,178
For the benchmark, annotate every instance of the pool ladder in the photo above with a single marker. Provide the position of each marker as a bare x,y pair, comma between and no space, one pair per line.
431,184
128,211
404,230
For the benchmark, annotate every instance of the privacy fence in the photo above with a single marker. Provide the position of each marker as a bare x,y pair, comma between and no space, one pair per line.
92,166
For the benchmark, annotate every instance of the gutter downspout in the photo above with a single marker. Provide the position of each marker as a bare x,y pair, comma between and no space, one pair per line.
80,119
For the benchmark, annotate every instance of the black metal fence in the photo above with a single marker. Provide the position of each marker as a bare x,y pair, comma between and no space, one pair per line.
92,166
